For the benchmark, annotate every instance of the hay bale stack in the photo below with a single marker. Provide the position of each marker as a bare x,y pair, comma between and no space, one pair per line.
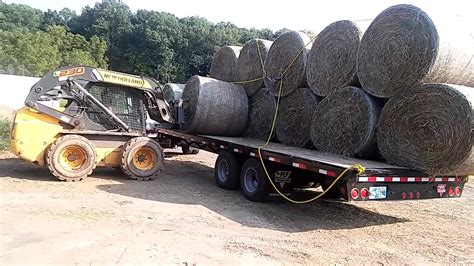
224,62
282,52
429,129
262,107
293,126
249,64
214,107
332,59
403,47
345,122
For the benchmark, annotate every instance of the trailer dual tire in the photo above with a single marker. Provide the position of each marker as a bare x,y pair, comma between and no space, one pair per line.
227,171
71,158
253,181
142,158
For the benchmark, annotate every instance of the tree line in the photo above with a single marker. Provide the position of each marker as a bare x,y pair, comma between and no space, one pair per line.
109,35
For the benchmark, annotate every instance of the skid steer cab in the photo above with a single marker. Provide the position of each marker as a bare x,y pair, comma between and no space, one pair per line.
78,118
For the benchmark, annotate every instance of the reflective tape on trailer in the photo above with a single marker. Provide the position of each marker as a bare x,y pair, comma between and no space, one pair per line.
404,179
299,165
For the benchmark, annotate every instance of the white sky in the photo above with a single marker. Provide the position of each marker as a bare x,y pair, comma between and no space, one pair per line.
292,14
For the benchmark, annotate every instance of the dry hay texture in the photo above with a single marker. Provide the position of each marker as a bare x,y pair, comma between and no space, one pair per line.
261,112
332,59
282,52
214,107
293,125
224,63
249,65
404,47
344,123
429,129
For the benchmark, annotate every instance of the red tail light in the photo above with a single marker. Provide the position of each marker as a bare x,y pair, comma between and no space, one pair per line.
458,191
354,193
364,193
412,195
451,191
404,195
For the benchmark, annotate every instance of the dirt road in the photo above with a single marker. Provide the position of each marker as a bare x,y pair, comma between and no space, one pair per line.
182,217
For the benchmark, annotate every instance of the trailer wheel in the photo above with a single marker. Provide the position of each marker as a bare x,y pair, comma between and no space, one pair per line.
71,158
186,149
253,181
227,171
142,158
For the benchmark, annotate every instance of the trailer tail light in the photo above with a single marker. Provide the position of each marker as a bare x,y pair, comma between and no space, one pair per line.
418,195
451,191
404,195
364,193
354,193
412,195
458,191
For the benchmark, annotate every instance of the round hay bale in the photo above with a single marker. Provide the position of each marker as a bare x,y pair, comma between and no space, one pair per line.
214,107
224,62
344,123
429,129
332,59
293,126
261,112
404,47
282,52
249,64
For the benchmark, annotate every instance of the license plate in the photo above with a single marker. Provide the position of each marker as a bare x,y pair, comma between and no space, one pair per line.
378,192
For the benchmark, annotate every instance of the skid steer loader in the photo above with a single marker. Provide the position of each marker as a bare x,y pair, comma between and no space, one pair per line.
78,118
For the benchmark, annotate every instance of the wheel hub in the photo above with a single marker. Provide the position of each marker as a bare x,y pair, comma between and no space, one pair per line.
144,159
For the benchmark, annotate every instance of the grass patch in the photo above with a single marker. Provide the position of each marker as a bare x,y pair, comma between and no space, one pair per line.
5,133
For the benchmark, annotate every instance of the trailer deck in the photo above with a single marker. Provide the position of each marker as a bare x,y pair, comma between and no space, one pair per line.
404,183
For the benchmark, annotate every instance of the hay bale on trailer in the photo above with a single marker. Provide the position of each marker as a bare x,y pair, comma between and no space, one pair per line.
224,62
282,53
345,122
262,107
332,59
293,125
250,65
214,107
404,47
429,129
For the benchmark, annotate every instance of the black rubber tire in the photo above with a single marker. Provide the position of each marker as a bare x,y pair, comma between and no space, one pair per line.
258,187
58,170
227,171
186,149
129,151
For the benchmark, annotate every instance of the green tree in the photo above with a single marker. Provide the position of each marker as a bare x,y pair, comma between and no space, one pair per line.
14,16
109,20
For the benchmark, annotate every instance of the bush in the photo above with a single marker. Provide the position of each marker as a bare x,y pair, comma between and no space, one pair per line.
5,130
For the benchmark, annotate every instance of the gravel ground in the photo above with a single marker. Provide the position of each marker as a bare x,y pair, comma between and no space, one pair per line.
184,218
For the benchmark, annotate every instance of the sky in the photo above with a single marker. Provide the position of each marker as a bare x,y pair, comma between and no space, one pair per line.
293,14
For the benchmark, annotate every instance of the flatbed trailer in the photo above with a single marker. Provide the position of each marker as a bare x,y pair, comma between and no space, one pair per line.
293,168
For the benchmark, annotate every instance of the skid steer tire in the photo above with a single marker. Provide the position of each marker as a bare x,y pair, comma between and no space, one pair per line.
71,158
142,158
